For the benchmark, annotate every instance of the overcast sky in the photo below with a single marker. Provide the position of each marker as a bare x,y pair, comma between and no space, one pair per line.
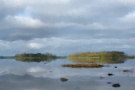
63,27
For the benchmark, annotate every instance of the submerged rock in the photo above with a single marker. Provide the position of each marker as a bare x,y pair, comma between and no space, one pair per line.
108,82
101,77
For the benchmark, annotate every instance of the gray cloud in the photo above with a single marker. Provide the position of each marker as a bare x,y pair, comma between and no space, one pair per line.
78,20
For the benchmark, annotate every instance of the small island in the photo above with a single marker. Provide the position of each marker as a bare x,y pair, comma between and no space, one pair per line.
37,57
83,65
33,57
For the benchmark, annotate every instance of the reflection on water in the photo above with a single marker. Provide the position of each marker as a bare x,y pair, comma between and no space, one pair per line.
16,75
95,60
34,60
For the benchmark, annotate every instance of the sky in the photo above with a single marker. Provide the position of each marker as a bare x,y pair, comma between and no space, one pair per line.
63,27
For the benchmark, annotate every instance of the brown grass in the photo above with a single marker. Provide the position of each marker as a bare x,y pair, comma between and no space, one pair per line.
127,70
83,65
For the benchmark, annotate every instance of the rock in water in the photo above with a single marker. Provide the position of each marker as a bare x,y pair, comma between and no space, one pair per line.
116,85
110,74
63,79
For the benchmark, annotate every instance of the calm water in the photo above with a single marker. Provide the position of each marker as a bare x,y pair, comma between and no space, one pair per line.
17,75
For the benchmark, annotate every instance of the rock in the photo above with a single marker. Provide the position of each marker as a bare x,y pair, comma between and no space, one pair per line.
116,85
110,74
63,79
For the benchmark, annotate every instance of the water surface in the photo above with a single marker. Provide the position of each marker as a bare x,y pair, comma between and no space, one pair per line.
17,75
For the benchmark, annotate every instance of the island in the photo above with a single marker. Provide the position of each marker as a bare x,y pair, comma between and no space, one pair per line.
100,57
36,57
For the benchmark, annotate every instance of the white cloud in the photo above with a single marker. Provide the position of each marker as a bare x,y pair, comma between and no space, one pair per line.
19,21
56,45
130,17
35,45
126,22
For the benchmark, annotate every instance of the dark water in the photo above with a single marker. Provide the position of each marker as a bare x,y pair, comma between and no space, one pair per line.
17,75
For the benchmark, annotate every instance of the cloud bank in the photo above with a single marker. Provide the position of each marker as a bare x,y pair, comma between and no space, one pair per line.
66,26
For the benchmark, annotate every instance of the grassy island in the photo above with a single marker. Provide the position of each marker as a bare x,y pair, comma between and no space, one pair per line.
111,54
98,57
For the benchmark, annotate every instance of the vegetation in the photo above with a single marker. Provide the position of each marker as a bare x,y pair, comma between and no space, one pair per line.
127,70
83,65
130,57
95,60
98,57
88,57
111,54
35,57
